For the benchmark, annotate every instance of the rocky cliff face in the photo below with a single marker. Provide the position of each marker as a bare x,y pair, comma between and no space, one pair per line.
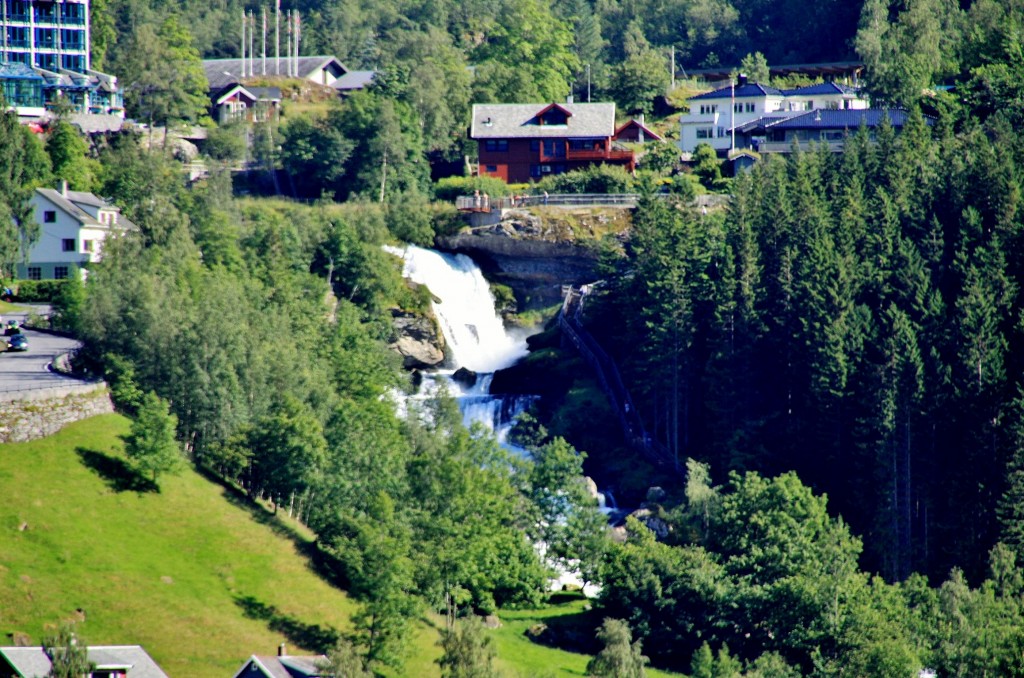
535,254
417,339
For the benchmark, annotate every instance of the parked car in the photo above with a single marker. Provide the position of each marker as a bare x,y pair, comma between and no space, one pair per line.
18,342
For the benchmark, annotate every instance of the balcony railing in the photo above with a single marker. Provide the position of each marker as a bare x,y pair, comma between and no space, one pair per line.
589,154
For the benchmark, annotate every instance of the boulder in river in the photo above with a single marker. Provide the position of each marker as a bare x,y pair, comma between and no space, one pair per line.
465,376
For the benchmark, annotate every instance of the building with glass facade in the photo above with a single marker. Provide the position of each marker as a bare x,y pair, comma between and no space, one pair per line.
53,35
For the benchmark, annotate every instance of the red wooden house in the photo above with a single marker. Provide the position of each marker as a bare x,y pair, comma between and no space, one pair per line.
524,142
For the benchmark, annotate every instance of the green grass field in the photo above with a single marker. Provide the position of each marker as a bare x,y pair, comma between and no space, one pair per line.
194,573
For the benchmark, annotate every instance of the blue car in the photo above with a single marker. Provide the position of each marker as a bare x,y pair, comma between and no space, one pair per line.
19,342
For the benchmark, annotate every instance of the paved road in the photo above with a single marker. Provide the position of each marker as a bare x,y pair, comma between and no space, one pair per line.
30,370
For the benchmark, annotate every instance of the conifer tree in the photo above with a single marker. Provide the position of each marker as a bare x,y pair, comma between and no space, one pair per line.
151,444
621,657
68,659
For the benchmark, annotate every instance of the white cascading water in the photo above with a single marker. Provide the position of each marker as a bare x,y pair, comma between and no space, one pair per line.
477,340
475,334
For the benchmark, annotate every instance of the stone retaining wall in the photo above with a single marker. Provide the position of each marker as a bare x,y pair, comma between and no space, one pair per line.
37,414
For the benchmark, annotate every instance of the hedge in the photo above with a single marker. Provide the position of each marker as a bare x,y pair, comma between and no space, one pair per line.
37,290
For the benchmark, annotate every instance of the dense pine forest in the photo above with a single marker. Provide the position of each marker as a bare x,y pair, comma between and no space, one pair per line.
834,360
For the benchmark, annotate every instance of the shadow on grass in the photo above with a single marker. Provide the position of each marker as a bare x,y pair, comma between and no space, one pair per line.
319,562
310,636
574,632
116,473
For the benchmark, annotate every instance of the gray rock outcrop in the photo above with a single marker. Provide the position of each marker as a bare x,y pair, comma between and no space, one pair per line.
417,339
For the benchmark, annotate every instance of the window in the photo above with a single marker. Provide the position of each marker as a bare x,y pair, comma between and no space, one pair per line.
708,109
737,108
496,145
60,272
50,217
492,168
555,116
35,273
87,246
554,148
721,132
704,133
67,245
750,108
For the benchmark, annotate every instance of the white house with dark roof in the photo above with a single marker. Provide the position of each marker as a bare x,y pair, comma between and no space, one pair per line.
282,665
715,117
823,126
238,102
73,226
322,70
111,661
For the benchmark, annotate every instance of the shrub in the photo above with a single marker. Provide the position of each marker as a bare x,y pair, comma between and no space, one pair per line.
38,290
593,179
450,188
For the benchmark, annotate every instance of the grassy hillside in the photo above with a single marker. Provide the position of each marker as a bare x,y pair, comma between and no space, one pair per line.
191,572
187,572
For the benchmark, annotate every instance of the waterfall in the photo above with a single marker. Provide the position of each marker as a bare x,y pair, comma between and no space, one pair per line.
476,336
477,340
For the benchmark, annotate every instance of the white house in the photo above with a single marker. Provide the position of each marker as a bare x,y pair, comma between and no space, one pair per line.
715,115
72,228
111,661
282,666
825,96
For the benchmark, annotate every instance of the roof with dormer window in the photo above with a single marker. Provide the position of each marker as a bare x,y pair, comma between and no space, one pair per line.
524,121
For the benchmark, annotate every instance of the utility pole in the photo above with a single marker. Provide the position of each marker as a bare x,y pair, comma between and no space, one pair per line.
243,43
252,44
732,113
383,174
263,11
672,64
588,83
277,39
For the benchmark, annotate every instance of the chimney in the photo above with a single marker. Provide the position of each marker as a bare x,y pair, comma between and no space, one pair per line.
282,651
741,80
62,186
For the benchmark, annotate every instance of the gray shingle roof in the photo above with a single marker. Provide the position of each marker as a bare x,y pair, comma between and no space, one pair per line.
272,666
223,72
97,123
72,209
517,121
32,662
72,204
354,80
